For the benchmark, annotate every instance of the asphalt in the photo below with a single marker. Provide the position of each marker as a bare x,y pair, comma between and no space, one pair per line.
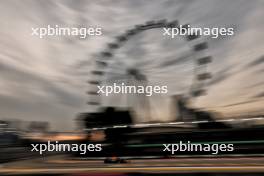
68,165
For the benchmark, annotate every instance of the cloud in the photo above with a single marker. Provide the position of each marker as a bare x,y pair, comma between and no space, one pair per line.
45,79
259,95
256,62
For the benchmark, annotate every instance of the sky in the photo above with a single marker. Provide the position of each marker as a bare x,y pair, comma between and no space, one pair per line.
45,79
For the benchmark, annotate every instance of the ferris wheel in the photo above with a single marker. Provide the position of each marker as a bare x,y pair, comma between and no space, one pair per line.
143,56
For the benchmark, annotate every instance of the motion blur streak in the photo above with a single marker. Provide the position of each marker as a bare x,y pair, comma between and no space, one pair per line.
214,87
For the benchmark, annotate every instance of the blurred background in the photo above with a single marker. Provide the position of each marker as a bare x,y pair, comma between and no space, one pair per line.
44,93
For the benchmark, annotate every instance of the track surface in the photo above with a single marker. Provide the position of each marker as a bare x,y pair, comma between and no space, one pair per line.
62,164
